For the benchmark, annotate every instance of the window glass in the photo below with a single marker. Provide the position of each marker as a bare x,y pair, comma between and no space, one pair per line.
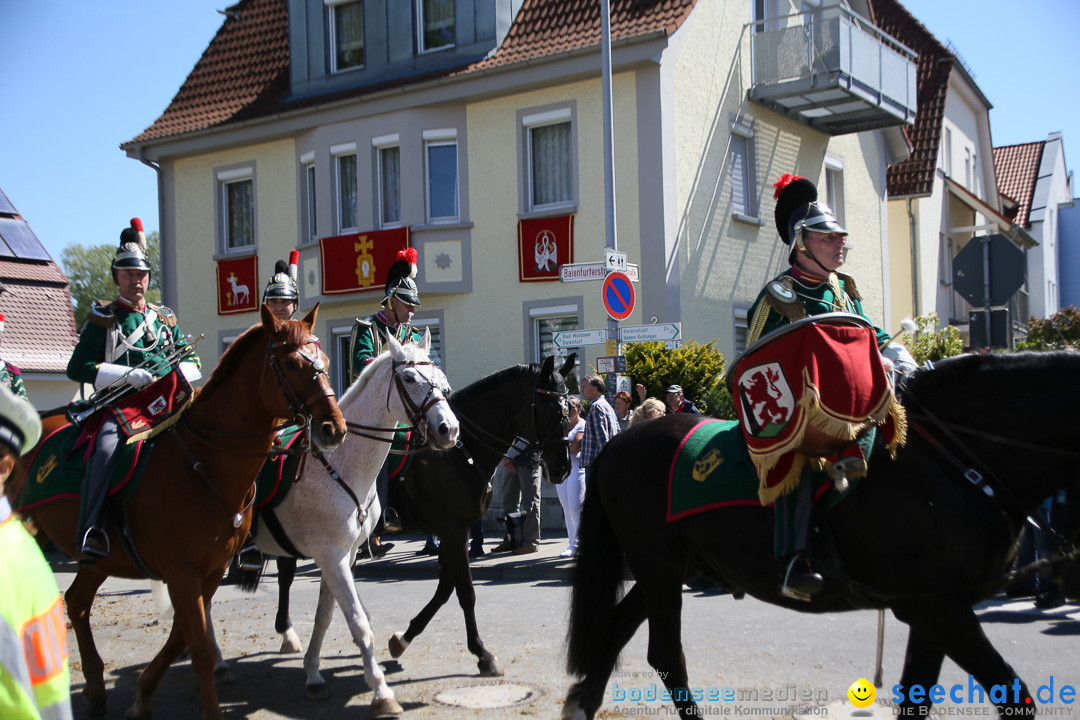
239,214
740,175
348,28
437,24
347,208
545,329
340,372
741,327
390,185
433,326
834,192
551,154
312,225
442,181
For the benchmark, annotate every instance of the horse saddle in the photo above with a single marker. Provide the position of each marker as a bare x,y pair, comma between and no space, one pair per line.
279,472
56,469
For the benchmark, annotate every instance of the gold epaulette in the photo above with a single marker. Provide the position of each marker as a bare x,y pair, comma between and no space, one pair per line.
166,315
103,314
849,286
781,296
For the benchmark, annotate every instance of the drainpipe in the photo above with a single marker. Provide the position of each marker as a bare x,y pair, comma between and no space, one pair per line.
914,258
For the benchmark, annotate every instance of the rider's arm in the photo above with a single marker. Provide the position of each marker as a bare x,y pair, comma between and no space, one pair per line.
89,353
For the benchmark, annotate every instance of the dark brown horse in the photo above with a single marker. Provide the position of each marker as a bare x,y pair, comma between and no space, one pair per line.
926,535
193,506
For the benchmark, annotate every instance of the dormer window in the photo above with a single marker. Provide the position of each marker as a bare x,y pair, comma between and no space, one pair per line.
435,20
346,26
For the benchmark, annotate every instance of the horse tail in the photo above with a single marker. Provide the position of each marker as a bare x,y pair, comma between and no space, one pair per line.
596,579
247,579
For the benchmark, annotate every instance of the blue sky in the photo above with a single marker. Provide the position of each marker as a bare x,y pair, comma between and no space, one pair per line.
83,76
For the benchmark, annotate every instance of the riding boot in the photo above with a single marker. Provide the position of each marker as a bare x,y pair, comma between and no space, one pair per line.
93,541
799,580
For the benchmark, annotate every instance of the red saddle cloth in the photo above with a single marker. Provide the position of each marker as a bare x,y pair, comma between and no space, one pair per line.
153,408
808,390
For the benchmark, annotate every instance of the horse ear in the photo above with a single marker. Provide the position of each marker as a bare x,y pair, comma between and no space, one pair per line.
568,366
309,319
393,344
270,323
548,367
425,342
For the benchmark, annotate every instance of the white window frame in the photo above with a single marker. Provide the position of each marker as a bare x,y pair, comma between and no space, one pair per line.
743,146
434,323
310,216
225,179
341,153
740,321
381,144
549,312
834,188
433,139
331,25
421,34
535,121
340,358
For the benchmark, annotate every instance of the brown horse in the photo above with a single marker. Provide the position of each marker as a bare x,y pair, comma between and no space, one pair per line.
193,507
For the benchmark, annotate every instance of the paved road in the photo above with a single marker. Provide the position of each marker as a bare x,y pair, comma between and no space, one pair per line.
521,610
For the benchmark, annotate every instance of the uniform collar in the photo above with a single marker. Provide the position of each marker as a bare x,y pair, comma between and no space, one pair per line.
388,321
807,277
129,306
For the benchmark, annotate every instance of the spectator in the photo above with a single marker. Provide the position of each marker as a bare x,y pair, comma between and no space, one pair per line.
676,403
622,409
601,424
572,489
648,410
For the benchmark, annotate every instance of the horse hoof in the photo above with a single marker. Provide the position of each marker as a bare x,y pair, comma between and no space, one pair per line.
398,644
490,667
572,711
318,691
224,675
95,706
385,708
290,643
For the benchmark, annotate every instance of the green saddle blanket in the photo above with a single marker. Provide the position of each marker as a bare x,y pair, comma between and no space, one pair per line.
57,467
278,473
712,469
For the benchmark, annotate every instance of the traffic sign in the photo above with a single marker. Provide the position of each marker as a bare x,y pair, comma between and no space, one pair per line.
611,364
577,338
618,296
577,272
614,260
1007,266
651,333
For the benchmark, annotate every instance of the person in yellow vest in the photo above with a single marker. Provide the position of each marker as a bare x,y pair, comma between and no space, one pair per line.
35,679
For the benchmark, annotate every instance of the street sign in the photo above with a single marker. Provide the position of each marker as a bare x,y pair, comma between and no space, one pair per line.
614,260
651,333
577,338
1007,268
618,296
578,272
611,364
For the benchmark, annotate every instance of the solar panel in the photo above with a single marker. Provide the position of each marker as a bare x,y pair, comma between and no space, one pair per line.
21,240
5,204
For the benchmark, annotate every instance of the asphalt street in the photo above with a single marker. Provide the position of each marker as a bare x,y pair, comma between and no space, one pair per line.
774,661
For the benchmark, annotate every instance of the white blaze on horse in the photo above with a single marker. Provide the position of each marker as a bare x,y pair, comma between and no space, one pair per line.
332,507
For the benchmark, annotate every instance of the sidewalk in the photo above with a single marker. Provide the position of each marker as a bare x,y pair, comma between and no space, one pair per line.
403,562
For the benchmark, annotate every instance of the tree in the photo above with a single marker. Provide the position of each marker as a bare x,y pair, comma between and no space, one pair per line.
698,368
1060,331
88,269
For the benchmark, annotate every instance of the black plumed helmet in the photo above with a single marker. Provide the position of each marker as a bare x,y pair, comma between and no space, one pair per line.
797,209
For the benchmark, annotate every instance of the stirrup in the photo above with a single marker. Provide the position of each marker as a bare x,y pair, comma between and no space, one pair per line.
250,558
94,546
391,522
804,587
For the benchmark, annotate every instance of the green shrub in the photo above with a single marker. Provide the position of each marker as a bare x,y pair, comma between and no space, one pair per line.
1060,331
931,342
698,368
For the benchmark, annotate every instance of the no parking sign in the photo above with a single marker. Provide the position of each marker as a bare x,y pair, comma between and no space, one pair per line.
618,296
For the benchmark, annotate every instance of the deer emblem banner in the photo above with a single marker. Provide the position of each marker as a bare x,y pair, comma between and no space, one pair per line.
359,261
543,245
238,285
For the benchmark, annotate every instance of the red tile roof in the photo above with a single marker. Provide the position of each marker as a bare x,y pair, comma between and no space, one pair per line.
915,176
39,325
244,73
1017,168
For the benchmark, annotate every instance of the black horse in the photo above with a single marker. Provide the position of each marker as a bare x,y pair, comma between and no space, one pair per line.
926,535
449,490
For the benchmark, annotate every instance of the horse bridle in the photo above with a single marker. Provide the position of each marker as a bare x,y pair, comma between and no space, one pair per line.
523,444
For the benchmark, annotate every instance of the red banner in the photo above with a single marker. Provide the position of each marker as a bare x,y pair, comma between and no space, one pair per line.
238,285
359,262
543,245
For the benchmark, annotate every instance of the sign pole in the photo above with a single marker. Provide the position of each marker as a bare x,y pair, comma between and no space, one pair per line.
610,234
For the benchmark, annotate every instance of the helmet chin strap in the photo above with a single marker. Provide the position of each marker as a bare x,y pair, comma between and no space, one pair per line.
801,247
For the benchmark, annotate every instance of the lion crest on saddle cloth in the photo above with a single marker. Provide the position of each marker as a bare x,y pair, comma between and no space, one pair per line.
767,400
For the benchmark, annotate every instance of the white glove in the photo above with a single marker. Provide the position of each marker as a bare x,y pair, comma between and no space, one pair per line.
109,373
190,371
901,358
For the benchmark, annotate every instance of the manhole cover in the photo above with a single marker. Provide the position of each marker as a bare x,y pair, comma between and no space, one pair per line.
486,697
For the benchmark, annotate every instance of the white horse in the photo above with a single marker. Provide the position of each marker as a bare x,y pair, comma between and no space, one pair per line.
327,519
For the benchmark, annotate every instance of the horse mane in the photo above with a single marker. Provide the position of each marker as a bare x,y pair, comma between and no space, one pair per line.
294,333
950,379
494,382
362,380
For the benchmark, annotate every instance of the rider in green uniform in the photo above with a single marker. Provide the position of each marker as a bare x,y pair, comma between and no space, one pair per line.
124,342
400,300
35,677
811,286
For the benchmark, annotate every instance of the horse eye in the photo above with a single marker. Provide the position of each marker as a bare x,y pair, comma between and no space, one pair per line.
291,365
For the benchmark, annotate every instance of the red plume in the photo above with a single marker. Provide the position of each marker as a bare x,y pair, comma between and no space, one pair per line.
136,224
294,257
408,255
785,180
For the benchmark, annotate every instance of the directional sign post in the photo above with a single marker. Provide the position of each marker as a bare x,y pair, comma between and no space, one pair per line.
578,338
579,272
618,295
651,333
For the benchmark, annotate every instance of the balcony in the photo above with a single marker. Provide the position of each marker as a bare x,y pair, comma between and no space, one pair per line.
832,70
